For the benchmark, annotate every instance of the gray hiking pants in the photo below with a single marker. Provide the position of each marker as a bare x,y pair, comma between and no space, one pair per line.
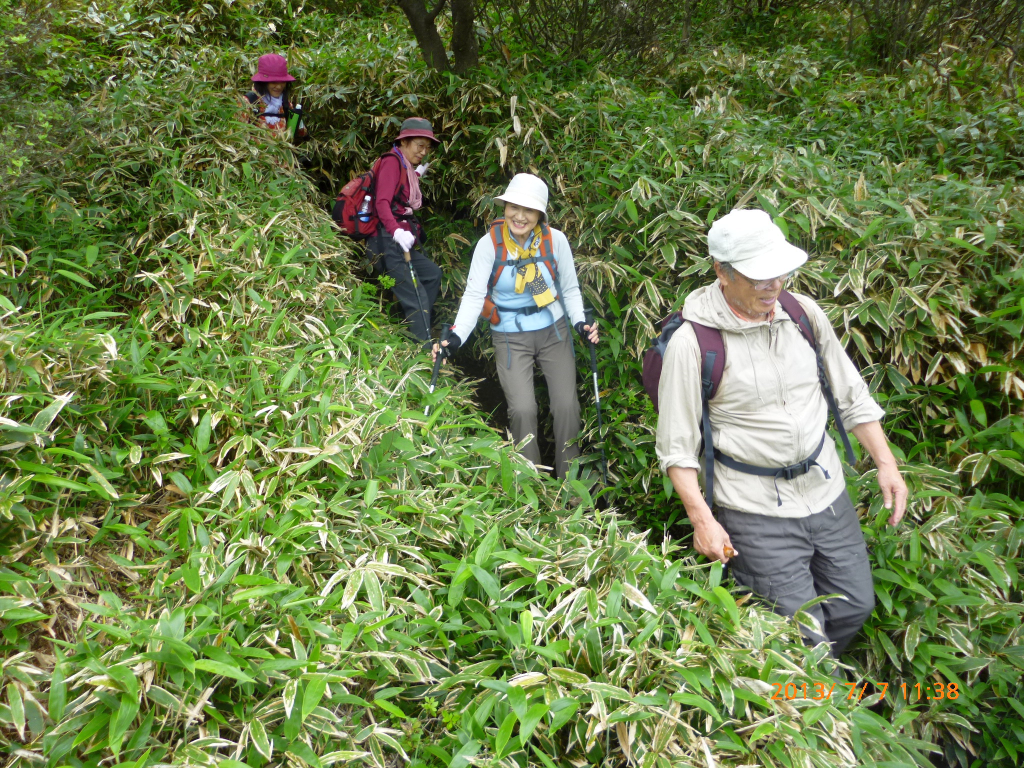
789,561
515,355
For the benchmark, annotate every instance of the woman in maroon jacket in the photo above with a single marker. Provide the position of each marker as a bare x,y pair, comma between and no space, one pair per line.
397,198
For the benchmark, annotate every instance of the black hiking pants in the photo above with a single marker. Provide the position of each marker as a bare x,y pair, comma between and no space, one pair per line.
417,302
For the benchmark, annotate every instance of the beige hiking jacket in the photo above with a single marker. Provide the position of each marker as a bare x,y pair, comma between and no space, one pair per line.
769,410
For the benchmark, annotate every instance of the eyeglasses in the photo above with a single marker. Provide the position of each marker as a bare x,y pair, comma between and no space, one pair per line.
764,285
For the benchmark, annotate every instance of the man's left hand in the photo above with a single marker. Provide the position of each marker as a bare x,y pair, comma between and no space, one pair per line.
894,492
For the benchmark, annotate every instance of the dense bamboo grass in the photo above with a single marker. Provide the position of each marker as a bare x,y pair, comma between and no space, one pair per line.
231,535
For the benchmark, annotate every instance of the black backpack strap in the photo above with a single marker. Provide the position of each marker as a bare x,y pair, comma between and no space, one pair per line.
799,316
712,365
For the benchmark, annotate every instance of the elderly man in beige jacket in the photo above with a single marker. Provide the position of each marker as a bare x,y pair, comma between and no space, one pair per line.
789,539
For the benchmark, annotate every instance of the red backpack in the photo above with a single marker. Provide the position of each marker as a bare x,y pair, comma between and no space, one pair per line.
354,208
712,366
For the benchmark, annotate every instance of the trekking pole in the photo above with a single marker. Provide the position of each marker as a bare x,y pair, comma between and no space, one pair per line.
446,329
416,287
597,397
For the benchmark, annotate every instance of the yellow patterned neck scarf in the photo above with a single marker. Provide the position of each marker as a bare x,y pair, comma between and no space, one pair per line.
528,275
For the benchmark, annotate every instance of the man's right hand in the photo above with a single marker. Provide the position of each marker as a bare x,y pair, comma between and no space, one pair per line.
709,537
711,540
405,239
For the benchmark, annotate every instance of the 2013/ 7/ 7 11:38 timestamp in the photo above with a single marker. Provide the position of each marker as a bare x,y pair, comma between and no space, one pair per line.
915,692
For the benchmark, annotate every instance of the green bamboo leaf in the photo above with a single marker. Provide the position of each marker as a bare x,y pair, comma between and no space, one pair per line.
461,758
203,433
726,601
77,278
457,587
526,627
517,700
17,705
631,210
487,581
58,696
562,711
504,734
978,409
387,706
259,738
911,638
370,494
529,723
42,420
669,253
222,669
613,603
61,482
121,721
371,585
568,676
290,377
700,702
483,553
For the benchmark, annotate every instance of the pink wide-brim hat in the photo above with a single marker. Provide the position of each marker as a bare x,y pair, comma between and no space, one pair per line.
272,68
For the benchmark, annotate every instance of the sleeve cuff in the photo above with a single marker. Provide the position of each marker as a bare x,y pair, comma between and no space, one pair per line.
681,460
862,413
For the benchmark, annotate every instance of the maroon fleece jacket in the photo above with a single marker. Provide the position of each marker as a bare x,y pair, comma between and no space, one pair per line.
393,192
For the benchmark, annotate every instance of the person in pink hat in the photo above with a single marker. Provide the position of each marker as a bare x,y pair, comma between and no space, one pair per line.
270,101
397,197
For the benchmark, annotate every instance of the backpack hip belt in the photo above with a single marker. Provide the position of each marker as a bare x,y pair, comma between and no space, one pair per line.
789,472
520,310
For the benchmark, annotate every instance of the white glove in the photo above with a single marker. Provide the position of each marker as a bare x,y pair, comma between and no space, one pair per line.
421,170
405,239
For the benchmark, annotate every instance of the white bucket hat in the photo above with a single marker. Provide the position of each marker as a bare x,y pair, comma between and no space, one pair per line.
526,190
754,245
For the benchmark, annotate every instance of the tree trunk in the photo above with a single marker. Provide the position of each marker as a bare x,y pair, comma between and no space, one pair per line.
422,22
464,42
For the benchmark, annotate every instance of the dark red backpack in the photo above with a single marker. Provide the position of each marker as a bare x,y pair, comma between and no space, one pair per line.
349,213
712,366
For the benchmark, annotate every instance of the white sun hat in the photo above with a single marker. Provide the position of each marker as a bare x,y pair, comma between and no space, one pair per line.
754,245
526,190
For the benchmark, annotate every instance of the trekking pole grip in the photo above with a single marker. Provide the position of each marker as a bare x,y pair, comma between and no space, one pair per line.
589,322
438,359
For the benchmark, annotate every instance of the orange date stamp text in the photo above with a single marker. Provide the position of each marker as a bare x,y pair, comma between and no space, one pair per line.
856,691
